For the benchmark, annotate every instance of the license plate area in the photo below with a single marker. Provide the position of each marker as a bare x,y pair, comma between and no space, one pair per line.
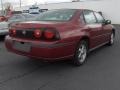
22,46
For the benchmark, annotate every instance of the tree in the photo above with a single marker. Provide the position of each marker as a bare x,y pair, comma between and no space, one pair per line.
8,8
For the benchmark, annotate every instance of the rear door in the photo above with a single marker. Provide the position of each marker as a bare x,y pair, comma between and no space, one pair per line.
95,29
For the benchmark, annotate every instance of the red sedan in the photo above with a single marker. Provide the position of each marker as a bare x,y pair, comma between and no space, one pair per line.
61,34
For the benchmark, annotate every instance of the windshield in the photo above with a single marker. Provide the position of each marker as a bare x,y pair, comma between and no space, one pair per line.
34,8
56,15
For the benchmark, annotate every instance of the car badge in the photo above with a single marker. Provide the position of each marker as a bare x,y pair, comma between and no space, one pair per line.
24,32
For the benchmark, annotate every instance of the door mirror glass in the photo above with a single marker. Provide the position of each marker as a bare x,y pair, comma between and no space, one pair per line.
107,22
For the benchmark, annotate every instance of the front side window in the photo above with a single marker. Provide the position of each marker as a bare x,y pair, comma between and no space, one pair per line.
100,18
89,17
56,15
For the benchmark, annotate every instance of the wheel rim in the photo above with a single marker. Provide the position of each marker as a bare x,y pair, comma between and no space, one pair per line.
82,53
112,39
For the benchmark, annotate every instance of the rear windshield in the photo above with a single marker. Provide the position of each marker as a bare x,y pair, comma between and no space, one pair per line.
22,17
56,15
34,8
15,17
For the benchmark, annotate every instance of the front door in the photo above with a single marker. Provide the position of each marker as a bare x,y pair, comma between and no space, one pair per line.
95,29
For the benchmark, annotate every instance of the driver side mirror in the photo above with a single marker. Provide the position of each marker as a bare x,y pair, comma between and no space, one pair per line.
106,22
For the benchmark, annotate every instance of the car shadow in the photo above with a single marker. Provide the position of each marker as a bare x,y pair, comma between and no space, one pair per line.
23,66
28,62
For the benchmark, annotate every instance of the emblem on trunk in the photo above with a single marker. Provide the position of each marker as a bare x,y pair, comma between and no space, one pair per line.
23,32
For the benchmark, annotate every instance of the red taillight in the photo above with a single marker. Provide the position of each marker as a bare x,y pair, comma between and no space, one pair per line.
49,34
37,33
12,32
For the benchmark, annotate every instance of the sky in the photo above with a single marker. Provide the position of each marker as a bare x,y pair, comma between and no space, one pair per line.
30,2
16,3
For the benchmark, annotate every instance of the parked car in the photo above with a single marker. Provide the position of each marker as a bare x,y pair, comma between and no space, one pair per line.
4,28
61,34
34,10
3,25
15,18
2,18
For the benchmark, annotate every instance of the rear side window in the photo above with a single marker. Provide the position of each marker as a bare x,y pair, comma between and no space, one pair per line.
89,17
99,17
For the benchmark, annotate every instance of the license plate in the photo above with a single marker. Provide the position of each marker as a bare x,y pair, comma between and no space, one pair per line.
22,46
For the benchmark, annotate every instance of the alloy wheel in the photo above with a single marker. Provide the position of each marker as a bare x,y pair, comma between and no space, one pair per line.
82,53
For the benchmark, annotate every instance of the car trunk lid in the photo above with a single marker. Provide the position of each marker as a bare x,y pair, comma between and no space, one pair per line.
26,30
38,24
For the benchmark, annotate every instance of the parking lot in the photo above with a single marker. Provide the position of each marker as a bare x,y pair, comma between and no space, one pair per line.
101,72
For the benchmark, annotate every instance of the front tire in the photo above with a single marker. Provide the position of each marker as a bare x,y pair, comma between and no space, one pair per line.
81,53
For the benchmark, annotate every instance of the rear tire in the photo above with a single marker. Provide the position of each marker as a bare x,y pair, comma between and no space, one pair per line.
81,53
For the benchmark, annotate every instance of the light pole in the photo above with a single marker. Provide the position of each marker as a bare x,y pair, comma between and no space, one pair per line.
2,6
20,3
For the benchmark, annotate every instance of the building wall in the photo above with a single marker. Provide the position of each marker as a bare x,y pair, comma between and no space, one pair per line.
110,8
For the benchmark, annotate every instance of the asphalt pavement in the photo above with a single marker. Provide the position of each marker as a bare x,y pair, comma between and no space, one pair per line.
101,72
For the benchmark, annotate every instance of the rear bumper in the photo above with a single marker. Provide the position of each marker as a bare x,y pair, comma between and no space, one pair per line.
42,50
4,32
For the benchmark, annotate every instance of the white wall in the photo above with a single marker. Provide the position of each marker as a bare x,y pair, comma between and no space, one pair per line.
110,8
